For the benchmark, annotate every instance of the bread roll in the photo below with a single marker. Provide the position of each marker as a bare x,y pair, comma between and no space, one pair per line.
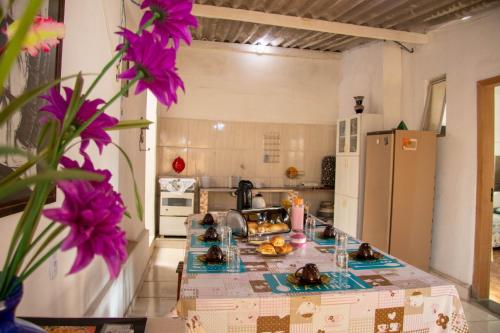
288,247
278,241
252,228
267,248
284,249
261,229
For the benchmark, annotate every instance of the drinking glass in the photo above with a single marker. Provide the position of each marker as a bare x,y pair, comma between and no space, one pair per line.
342,260
225,233
310,227
233,259
341,240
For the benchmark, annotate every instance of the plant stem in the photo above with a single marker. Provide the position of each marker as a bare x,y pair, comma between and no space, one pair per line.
83,126
27,273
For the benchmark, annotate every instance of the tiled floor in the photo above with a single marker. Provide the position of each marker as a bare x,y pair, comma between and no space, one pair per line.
157,296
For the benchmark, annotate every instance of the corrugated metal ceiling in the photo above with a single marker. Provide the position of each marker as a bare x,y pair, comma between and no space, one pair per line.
405,15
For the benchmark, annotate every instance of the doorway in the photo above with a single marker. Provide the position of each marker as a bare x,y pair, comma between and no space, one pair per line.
486,278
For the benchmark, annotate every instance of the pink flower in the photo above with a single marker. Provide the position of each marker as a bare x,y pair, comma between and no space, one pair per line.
57,107
42,36
155,62
174,19
92,211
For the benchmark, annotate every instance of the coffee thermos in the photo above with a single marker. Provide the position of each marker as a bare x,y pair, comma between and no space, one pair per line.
244,195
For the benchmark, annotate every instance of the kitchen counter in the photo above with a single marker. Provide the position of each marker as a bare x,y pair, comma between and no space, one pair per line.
292,191
269,189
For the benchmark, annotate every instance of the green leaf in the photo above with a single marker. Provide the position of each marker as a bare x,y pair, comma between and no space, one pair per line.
26,97
75,102
40,262
19,171
138,201
56,232
128,124
49,175
9,150
15,44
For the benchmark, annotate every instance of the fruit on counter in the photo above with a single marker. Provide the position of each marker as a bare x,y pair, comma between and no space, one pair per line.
292,172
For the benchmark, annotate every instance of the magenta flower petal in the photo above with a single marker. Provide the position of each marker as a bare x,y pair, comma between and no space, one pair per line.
92,210
57,107
174,20
156,62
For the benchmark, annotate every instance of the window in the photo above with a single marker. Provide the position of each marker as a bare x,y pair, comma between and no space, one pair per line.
435,107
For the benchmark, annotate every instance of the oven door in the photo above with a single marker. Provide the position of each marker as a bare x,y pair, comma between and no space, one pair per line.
176,204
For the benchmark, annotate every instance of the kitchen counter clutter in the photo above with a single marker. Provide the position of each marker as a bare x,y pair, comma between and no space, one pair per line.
289,191
386,295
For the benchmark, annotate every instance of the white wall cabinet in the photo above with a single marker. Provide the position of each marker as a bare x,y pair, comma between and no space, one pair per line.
349,174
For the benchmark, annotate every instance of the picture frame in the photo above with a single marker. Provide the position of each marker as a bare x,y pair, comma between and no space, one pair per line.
22,129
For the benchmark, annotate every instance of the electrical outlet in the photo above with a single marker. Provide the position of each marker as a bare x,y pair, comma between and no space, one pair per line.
53,266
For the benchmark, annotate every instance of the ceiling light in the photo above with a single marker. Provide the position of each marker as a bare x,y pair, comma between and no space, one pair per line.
465,18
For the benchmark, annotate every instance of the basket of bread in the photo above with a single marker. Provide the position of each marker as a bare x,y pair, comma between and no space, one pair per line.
268,221
275,247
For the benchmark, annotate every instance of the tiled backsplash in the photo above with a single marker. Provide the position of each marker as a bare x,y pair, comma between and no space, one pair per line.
223,149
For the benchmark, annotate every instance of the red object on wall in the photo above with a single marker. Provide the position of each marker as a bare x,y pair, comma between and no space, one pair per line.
178,164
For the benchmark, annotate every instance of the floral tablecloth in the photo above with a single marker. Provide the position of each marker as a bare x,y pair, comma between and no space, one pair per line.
397,298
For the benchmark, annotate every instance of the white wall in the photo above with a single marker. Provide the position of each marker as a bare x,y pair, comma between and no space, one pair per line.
362,75
234,83
87,47
466,52
374,71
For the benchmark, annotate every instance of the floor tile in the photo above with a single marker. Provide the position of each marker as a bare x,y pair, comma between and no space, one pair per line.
159,289
161,274
474,312
170,243
151,307
492,326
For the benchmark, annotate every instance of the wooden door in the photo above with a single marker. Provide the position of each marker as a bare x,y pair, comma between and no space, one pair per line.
484,186
378,190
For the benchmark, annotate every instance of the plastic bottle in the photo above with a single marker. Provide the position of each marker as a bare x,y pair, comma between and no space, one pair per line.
298,214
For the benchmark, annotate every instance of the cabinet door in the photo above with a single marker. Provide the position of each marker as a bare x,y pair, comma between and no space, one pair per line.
353,139
346,214
342,132
340,212
341,175
352,175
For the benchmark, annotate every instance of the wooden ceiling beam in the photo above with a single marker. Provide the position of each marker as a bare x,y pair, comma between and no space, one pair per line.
294,22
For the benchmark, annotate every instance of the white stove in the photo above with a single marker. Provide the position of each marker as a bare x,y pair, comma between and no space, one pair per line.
177,196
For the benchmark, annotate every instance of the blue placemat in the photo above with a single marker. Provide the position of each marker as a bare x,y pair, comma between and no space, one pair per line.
338,282
331,241
196,243
382,263
198,267
195,224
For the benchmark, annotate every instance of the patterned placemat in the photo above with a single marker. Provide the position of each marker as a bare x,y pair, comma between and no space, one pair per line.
196,266
384,262
332,241
338,281
196,243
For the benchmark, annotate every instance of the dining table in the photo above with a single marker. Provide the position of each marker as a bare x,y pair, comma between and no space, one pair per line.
386,295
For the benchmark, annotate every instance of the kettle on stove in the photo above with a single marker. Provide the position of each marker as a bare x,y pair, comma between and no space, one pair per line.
244,195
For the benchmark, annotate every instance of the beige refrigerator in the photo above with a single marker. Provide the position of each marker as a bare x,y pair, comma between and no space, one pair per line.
399,194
